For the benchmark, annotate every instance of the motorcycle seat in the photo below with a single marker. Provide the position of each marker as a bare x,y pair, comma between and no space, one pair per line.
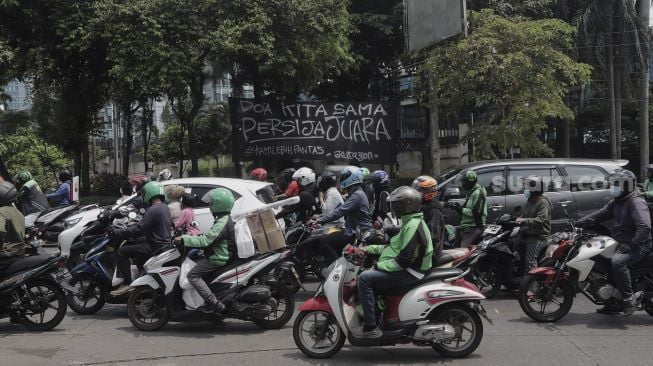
26,263
449,255
431,275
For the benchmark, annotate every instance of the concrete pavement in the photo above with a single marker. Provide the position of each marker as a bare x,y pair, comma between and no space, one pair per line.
108,338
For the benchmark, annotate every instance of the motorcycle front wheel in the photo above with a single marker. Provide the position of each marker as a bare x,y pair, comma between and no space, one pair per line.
147,309
89,295
317,334
468,328
538,306
44,305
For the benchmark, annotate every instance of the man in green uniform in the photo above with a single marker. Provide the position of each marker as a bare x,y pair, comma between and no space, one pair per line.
12,227
402,262
473,213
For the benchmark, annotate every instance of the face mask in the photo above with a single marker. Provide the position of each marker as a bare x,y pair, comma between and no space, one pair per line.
527,193
615,191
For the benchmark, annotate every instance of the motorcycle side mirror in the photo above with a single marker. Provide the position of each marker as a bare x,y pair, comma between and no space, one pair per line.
452,193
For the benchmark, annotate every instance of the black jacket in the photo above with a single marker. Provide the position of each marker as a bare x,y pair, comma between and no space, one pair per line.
155,225
435,219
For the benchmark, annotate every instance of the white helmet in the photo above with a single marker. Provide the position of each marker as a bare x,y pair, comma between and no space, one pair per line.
304,176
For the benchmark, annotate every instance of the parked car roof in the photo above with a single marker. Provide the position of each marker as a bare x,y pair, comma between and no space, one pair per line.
234,184
563,161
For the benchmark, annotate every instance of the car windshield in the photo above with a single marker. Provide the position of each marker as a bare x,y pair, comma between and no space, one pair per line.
448,174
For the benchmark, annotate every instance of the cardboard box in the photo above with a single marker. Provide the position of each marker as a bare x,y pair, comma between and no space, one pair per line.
266,232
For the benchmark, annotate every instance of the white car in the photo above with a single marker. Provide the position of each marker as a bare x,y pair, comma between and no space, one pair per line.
247,193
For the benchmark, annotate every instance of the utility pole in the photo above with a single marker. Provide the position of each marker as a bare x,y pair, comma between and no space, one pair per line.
644,11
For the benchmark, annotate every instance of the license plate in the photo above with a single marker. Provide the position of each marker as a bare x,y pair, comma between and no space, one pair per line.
492,229
61,275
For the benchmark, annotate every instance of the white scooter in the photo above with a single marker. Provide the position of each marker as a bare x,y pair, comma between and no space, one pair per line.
442,311
164,293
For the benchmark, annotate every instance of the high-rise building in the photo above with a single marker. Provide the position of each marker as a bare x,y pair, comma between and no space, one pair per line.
18,91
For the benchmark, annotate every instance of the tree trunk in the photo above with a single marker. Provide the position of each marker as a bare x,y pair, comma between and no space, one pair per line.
127,141
434,140
644,8
146,129
181,150
618,102
86,179
613,119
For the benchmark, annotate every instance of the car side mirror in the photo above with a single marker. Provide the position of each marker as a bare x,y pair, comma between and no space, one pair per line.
452,192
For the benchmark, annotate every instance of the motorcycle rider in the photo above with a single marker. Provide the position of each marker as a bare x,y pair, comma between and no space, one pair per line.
219,245
432,210
165,174
12,227
305,178
287,184
368,186
535,223
30,198
330,197
355,210
381,185
648,183
261,175
631,228
174,193
187,216
403,262
155,225
62,194
473,213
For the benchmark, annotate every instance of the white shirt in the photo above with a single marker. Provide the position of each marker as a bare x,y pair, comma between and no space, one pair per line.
332,200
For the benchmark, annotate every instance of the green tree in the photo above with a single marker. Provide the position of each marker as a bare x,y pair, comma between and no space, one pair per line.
24,150
516,73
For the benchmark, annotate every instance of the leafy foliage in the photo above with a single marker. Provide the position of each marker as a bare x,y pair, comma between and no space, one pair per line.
108,184
515,73
24,150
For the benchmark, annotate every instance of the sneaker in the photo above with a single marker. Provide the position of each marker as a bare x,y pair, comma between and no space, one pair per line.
323,343
610,309
629,306
375,333
216,308
123,289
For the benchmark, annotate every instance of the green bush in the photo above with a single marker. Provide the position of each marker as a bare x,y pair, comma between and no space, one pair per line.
107,184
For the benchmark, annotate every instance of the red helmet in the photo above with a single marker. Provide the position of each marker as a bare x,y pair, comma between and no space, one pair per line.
427,186
259,174
138,181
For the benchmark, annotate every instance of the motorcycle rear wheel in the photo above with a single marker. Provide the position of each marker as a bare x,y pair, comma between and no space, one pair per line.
533,287
285,307
147,303
334,336
78,301
462,318
487,282
48,295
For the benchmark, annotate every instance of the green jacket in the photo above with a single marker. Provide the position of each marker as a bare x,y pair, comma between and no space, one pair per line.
474,212
410,249
648,190
12,232
537,219
220,241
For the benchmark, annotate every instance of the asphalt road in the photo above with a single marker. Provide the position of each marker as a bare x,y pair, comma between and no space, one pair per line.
108,338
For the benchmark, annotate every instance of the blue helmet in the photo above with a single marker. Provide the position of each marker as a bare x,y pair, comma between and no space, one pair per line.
351,175
380,180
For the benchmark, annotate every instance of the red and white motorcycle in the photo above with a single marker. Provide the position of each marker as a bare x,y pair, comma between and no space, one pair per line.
442,310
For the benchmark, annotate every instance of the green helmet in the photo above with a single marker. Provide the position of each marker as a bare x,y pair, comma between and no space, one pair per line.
220,200
153,190
22,177
469,179
366,172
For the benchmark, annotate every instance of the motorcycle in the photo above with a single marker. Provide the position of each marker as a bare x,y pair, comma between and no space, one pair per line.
30,293
164,294
582,264
92,281
435,311
303,240
50,223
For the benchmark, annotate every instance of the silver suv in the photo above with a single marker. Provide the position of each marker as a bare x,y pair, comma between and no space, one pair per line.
578,184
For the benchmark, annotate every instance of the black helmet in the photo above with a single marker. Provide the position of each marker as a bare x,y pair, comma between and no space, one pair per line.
534,184
469,179
7,193
287,173
65,175
327,180
622,182
405,200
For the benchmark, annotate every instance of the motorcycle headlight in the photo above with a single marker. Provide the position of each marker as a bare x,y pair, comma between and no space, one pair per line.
71,222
